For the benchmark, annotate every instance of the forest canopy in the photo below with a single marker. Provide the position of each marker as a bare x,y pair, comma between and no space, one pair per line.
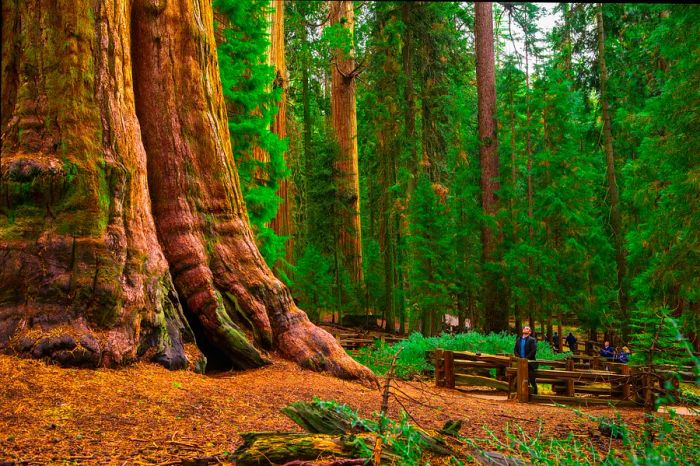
596,213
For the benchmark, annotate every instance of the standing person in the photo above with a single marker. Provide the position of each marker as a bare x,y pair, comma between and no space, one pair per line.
571,341
526,347
555,342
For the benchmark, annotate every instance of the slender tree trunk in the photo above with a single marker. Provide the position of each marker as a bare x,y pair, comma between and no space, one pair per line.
513,216
530,184
108,297
407,9
497,316
308,165
409,95
613,193
344,121
282,223
388,131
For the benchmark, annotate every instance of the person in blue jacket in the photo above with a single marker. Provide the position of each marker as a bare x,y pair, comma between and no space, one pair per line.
526,347
624,355
607,351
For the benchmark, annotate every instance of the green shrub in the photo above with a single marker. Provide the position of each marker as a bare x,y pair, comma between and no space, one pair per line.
412,361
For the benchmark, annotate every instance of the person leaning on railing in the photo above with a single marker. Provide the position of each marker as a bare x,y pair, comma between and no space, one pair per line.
607,351
623,356
526,347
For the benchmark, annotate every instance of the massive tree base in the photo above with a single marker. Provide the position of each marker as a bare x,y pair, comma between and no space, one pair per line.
123,235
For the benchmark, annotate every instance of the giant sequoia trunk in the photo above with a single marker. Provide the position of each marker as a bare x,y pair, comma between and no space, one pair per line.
494,309
100,208
344,119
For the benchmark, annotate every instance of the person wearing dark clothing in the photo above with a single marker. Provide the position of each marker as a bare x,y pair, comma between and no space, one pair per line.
555,341
526,347
571,341
623,356
607,351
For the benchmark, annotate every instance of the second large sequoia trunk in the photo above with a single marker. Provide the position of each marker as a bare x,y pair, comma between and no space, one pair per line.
85,268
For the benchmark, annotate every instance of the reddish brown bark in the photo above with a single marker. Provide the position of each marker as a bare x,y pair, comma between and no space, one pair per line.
497,316
97,252
83,280
344,121
281,224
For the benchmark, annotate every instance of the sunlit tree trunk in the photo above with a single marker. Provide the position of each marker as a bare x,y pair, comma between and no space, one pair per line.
344,121
84,272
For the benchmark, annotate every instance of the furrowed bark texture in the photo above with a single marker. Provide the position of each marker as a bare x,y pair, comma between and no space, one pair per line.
196,197
82,278
344,120
85,268
497,316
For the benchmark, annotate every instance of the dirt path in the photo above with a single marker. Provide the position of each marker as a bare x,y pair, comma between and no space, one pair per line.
148,414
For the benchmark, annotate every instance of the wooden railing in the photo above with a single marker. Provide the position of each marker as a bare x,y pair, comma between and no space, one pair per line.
351,339
454,369
576,379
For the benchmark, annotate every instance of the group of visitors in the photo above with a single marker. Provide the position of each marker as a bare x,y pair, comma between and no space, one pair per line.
610,353
526,347
570,341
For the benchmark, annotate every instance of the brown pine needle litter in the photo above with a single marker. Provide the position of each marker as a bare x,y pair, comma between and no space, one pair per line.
147,415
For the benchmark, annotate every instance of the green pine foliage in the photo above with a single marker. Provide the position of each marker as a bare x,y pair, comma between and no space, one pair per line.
430,248
665,191
252,101
419,167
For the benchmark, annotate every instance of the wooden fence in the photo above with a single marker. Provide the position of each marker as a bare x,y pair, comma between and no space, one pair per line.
576,379
352,339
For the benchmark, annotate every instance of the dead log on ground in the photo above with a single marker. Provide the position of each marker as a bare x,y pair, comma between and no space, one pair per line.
270,448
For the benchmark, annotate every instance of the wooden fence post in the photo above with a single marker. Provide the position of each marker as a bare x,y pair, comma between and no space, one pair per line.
595,363
449,369
561,336
569,381
523,389
439,368
626,387
512,381
648,386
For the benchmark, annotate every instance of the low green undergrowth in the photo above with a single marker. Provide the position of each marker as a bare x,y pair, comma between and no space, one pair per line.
403,442
661,440
412,361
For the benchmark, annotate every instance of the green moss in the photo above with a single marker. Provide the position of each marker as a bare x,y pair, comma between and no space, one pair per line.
69,168
236,340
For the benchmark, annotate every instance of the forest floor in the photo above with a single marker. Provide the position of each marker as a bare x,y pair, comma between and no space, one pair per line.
145,414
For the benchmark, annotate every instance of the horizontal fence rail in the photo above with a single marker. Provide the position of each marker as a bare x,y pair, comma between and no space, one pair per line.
576,379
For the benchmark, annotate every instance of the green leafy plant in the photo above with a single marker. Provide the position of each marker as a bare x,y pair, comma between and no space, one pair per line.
412,361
